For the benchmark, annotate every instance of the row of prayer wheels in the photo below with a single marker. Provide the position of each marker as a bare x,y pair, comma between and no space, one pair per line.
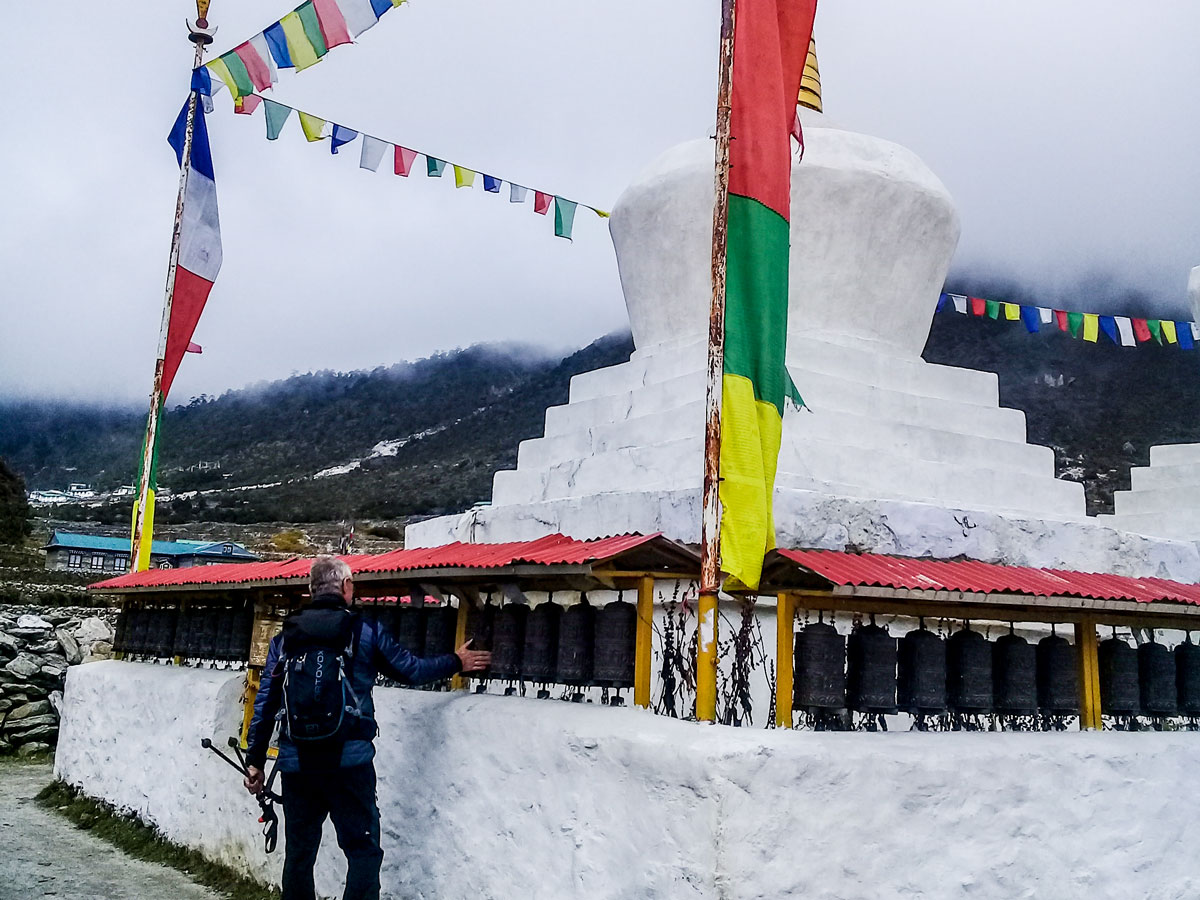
966,674
216,632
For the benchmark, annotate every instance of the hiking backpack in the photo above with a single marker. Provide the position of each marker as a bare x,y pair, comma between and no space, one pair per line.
317,695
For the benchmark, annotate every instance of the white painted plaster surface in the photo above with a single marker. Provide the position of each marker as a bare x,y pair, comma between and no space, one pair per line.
1164,497
1194,292
499,798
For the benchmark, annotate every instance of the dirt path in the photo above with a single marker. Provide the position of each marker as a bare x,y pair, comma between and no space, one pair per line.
44,855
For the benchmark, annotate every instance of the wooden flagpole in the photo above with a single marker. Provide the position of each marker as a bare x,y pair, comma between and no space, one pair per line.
710,526
199,34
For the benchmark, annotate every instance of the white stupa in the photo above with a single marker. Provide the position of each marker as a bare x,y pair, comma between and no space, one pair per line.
893,454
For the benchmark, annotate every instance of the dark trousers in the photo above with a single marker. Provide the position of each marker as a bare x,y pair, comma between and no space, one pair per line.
347,796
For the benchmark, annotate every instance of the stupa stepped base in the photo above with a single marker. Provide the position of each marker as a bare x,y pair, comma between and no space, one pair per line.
877,426
1164,498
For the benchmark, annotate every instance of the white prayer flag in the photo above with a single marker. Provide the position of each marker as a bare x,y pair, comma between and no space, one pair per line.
358,14
372,153
516,193
960,302
1195,330
259,43
1125,328
1046,315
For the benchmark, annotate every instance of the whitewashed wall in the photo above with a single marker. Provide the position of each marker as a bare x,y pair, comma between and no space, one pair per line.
495,797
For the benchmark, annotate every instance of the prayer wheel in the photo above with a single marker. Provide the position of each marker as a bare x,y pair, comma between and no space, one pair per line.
1120,693
410,628
540,655
481,624
616,637
139,624
1014,676
921,679
1156,679
819,673
871,670
508,642
576,644
243,632
1057,677
121,633
968,673
168,624
225,624
1187,678
440,622
206,646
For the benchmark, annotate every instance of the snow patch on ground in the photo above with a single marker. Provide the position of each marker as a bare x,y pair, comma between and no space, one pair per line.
380,450
503,797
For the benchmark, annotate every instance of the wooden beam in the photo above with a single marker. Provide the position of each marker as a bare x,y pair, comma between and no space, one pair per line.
1089,676
784,638
644,642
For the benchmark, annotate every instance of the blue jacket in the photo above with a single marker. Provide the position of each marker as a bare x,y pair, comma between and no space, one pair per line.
375,651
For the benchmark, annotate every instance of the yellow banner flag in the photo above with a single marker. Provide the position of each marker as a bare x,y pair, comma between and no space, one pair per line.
1012,312
312,126
1091,327
1168,330
463,177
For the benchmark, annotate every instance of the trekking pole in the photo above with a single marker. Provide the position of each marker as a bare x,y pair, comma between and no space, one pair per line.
266,799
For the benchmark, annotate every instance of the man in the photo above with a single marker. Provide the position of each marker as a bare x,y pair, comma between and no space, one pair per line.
336,777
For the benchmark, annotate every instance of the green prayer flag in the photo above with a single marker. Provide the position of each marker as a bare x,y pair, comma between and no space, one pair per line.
312,28
1075,323
241,77
564,217
276,115
1155,327
993,309
434,167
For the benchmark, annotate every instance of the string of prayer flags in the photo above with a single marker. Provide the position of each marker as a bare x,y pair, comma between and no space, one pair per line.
373,150
1121,330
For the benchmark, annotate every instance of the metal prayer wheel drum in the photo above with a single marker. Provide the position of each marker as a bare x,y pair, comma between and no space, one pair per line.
168,623
225,623
921,676
508,642
968,673
481,625
1156,678
1014,676
1057,677
209,624
1187,678
440,625
540,656
121,632
243,633
871,670
187,639
409,629
819,669
616,636
139,623
1120,693
153,632
576,644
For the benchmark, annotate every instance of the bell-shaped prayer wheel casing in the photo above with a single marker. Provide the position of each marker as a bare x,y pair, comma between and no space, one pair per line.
969,673
921,676
541,643
576,645
1014,676
1187,678
1057,677
139,631
1120,692
209,625
121,632
243,631
871,670
481,625
508,642
225,625
440,623
1156,679
616,637
819,669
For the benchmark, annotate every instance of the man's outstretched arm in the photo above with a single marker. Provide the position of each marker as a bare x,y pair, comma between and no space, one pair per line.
396,662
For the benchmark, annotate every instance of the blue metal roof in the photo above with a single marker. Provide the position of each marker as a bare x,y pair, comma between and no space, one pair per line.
72,541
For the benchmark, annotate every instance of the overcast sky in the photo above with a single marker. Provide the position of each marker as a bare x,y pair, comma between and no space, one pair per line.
1066,131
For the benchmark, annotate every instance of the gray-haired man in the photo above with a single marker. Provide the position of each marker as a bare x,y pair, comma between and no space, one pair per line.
336,779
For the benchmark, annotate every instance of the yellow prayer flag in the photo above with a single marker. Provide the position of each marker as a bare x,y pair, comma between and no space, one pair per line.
1168,330
222,71
300,48
312,125
601,213
463,177
1091,327
1012,312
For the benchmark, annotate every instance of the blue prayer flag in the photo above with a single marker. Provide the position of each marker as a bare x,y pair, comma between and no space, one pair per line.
1032,318
1183,331
1109,326
941,302
491,185
341,135
381,6
202,81
277,41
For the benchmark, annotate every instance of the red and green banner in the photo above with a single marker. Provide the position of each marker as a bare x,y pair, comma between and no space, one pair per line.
769,49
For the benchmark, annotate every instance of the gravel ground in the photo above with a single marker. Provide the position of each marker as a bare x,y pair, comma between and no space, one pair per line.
44,855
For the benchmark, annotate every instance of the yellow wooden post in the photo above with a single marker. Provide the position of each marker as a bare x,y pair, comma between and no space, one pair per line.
253,677
706,659
461,682
784,615
1089,676
644,643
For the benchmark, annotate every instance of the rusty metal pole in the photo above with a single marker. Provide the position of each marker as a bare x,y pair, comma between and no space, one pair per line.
143,510
710,524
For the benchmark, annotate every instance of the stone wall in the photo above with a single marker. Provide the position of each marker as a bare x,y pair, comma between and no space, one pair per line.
37,645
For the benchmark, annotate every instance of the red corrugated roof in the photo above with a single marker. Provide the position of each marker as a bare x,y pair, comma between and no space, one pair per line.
968,576
553,549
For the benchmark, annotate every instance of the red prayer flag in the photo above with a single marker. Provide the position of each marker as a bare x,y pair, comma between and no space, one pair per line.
978,306
1141,329
541,202
256,66
404,160
247,105
193,347
1060,316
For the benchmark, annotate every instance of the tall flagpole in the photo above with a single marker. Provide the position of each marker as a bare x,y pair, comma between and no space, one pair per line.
199,34
710,524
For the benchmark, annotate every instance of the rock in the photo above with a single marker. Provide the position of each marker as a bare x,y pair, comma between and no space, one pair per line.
33,622
27,710
6,703
8,645
56,700
24,666
5,748
93,629
42,648
70,646
54,668
20,730
34,690
32,749
57,620
99,650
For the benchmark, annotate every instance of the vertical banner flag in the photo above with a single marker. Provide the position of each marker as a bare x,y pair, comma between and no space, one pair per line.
404,160
564,217
541,202
516,193
372,153
770,46
463,177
